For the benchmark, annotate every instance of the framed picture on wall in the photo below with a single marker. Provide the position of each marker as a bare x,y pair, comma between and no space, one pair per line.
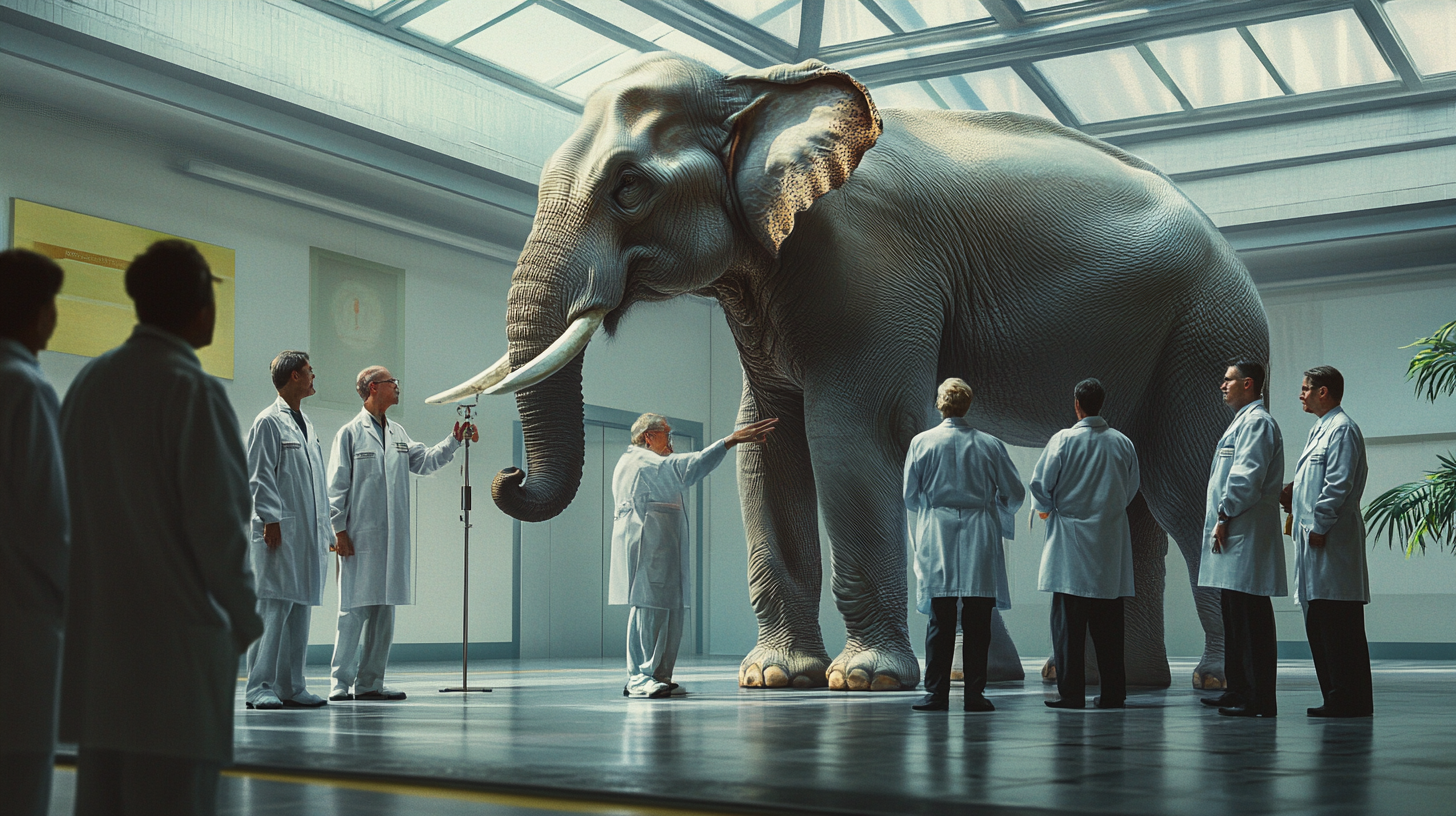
95,314
356,320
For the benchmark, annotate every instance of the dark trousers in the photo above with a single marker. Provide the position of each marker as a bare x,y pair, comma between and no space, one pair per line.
1072,617
1336,631
1251,648
122,783
940,644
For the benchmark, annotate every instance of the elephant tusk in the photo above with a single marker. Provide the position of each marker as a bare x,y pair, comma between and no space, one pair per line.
485,379
564,350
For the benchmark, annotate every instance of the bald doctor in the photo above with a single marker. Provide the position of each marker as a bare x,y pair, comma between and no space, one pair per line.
369,472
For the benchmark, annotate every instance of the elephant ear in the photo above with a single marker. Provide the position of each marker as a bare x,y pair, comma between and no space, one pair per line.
801,132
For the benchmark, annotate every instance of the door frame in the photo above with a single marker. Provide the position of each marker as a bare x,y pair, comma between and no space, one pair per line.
621,420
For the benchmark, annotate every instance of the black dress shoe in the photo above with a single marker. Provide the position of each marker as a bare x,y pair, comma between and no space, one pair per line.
1245,711
1099,703
380,696
1226,700
1340,713
1065,704
978,703
932,703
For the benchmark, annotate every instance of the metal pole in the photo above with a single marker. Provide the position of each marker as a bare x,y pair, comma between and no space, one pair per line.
466,411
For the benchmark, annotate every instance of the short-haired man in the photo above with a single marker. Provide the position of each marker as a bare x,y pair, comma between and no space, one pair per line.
1331,579
1243,547
369,472
963,491
650,545
292,532
35,535
161,602
1082,485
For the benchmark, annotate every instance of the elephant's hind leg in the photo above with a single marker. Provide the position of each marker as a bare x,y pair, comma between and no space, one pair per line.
781,519
1145,651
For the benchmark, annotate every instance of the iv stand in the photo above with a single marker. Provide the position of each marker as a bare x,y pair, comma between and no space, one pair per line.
466,411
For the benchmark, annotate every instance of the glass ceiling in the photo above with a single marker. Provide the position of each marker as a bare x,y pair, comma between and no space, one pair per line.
1102,65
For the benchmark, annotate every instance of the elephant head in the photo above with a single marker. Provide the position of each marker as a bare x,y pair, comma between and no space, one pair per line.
676,175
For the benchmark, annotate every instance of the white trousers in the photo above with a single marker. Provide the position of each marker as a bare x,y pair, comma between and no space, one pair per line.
653,636
363,672
275,660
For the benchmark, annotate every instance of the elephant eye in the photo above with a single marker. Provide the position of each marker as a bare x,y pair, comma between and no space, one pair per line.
631,191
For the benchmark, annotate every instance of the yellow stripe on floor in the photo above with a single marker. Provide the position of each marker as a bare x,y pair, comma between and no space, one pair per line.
426,791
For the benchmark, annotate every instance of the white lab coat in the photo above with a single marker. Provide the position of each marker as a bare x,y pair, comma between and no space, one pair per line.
1328,485
161,599
1085,479
645,488
962,491
369,497
1244,482
286,478
35,541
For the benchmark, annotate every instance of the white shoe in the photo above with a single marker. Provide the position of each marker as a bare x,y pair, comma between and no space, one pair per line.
305,699
264,699
649,689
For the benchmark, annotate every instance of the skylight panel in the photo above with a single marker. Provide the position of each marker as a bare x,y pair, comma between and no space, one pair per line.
917,94
914,15
1215,68
537,42
999,89
1041,5
850,21
1004,89
457,18
585,81
1107,85
681,43
777,17
618,14
1322,51
367,5
1428,29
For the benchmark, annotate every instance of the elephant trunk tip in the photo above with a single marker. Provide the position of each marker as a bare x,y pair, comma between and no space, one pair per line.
515,500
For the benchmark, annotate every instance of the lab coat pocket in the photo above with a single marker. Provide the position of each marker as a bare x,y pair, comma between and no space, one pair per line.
368,539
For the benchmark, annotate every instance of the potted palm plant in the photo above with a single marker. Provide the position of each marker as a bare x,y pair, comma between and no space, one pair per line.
1424,510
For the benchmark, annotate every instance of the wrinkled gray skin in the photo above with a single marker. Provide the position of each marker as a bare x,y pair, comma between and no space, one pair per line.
858,268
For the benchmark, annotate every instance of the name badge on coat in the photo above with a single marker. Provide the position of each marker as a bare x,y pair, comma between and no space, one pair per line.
401,447
292,445
364,455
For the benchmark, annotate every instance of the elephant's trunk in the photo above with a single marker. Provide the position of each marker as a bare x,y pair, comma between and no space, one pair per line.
551,410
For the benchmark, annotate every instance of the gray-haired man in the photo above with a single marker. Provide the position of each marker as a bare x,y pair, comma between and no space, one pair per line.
290,537
650,544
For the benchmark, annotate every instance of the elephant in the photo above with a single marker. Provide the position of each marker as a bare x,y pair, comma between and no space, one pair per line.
860,257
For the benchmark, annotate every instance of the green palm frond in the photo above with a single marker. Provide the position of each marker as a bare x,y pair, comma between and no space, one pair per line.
1434,366
1418,511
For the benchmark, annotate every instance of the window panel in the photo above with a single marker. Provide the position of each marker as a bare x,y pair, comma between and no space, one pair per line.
681,43
999,89
778,17
1107,85
584,82
367,5
1428,29
1040,5
618,14
1215,68
1004,89
914,15
537,42
904,95
457,18
849,21
1322,51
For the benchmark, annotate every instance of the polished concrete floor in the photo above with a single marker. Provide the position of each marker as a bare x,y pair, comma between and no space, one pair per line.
558,737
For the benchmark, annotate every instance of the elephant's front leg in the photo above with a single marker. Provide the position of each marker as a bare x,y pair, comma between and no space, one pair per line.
780,517
859,467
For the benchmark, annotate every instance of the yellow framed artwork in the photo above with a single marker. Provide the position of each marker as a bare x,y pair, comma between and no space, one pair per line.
95,313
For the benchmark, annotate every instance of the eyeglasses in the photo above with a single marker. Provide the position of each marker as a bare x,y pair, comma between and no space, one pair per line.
393,382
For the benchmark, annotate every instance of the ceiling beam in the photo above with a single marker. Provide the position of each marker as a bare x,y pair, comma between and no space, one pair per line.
972,47
811,28
733,36
1373,16
1044,91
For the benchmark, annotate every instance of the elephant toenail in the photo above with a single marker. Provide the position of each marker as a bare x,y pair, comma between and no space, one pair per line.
836,680
885,682
775,677
753,676
859,680
803,681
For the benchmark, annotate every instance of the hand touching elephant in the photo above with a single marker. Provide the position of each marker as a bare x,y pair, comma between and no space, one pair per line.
862,256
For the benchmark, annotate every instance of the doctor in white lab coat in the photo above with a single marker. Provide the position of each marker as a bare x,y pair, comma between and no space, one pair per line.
35,538
962,492
1331,579
1081,486
1243,545
650,554
161,600
292,532
369,472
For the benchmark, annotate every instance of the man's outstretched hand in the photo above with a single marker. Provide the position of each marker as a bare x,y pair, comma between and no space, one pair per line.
757,432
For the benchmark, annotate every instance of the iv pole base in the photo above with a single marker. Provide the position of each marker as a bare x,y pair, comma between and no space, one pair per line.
466,689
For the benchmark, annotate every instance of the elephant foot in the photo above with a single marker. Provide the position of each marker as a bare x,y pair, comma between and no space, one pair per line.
1209,678
874,670
1003,670
1049,672
769,667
